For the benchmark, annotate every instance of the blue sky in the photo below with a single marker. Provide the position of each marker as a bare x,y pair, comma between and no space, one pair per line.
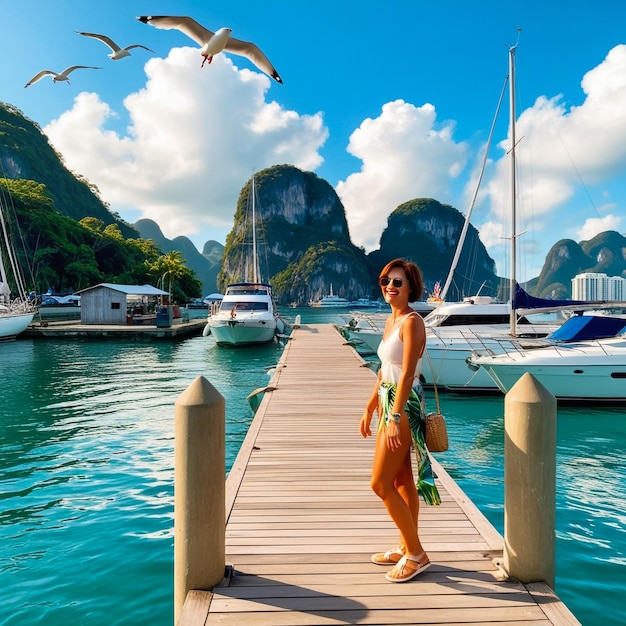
386,101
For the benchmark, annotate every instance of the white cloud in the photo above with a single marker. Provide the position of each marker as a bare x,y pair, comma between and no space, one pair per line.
597,225
194,138
404,156
561,149
492,234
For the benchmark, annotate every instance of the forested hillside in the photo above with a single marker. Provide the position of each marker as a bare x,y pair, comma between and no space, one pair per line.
57,252
65,237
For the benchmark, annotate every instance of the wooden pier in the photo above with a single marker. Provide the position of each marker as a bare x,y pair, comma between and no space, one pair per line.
302,521
75,330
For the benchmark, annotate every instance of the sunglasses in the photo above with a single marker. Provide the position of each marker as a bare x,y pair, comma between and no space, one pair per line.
397,282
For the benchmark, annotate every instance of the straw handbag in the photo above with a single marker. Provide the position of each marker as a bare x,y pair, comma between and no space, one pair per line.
436,433
436,430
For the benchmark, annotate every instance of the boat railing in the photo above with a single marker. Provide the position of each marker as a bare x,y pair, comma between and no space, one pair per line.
523,346
18,305
487,345
358,320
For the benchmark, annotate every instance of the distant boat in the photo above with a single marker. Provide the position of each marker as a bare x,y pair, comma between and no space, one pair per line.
330,300
15,313
366,303
247,313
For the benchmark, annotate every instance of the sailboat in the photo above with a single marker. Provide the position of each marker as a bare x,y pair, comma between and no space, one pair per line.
455,330
15,313
247,313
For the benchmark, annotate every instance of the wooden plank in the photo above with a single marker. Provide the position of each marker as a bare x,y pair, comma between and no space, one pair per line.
302,521
195,609
551,605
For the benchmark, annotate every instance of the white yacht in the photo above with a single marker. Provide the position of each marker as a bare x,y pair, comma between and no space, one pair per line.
246,314
330,301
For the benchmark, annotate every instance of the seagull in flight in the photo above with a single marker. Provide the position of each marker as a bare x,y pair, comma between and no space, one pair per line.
213,43
117,52
59,77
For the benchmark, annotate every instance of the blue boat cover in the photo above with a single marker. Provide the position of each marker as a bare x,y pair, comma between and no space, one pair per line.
523,300
581,327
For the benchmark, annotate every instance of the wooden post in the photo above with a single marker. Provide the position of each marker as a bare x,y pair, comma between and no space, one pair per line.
199,491
529,481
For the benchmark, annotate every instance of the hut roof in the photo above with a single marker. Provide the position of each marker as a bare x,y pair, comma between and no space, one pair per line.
129,290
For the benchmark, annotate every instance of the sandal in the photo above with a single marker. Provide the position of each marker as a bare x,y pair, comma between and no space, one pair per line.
391,557
401,566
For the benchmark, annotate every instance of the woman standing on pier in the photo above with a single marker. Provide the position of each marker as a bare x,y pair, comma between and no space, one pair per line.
398,400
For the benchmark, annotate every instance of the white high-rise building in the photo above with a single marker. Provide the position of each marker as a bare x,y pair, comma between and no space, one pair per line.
617,288
591,286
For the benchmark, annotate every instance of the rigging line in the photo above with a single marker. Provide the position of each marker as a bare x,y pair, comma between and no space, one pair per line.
5,192
459,248
9,250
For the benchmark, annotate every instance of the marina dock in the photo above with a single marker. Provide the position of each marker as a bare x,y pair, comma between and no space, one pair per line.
302,521
76,330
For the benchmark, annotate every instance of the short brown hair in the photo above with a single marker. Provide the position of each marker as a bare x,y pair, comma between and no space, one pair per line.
413,273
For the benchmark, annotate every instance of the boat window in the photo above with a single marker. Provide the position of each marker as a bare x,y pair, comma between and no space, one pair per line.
250,290
472,320
245,306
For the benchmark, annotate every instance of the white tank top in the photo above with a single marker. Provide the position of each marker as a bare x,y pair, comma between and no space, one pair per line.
390,352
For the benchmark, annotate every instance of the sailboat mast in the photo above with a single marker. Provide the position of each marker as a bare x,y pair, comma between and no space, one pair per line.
255,262
513,321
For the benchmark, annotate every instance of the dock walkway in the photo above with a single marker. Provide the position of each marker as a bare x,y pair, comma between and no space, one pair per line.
302,521
75,330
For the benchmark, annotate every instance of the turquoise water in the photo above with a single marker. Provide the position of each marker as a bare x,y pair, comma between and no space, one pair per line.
86,477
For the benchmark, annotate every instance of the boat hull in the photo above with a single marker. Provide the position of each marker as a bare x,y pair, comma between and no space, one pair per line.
242,332
13,324
448,369
594,372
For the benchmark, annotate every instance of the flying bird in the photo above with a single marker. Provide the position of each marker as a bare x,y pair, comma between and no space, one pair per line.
117,52
59,77
213,43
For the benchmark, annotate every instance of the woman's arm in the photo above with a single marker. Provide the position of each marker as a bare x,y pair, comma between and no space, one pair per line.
413,336
370,407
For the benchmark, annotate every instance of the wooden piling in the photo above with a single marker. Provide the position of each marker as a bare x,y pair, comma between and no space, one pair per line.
199,491
529,481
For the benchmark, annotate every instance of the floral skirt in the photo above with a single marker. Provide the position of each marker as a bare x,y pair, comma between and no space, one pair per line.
414,408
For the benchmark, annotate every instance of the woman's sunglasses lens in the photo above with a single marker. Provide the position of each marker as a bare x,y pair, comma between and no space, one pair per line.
397,282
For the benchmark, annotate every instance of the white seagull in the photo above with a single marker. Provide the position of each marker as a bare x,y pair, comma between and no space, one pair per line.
213,43
59,77
117,52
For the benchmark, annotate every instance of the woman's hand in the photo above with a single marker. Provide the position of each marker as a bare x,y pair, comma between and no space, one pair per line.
392,432
366,420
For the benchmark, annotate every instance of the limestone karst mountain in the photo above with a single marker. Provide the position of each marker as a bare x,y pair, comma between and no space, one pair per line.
605,253
303,223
